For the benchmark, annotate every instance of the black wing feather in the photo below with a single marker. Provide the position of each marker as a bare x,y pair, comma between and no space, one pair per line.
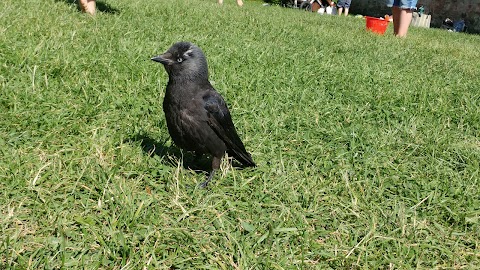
220,121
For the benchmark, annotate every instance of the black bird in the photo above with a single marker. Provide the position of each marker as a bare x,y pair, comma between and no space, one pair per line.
197,117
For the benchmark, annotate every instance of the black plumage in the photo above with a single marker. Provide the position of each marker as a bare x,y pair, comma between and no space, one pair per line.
197,117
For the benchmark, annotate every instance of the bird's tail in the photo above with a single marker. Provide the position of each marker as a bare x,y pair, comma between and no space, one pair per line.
243,156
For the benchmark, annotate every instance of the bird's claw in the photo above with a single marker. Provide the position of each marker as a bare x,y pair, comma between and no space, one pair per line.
209,178
203,184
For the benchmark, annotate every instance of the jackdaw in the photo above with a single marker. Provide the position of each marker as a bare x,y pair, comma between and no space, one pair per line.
198,119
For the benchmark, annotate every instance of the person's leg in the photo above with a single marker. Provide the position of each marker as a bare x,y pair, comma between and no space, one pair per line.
88,6
220,2
91,7
401,21
239,3
347,6
340,6
396,19
83,5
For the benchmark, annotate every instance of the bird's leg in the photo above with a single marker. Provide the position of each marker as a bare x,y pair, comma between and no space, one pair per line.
209,178
215,166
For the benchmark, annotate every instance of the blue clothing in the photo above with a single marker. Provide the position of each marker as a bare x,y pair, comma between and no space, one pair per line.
403,4
344,3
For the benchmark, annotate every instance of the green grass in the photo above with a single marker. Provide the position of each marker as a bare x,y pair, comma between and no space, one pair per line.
368,147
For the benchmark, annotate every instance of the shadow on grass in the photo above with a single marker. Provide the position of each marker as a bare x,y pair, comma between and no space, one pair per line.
101,6
172,154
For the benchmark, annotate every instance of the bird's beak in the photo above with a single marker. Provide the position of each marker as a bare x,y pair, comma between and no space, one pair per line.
165,58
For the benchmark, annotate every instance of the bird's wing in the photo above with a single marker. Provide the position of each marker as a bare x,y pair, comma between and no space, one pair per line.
220,121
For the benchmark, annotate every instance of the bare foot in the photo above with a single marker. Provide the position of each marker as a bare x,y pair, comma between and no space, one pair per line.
88,6
83,5
239,3
91,6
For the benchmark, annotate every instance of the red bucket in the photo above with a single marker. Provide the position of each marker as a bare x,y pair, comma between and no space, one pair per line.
376,25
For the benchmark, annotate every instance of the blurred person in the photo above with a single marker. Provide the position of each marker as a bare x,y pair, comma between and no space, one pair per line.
343,5
88,6
330,2
402,15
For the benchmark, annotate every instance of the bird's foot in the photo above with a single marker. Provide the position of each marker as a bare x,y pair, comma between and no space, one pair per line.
203,184
209,178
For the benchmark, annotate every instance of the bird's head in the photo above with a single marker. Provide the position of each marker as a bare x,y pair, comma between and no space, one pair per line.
184,60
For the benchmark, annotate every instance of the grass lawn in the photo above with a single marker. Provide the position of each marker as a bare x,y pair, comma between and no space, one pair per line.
368,146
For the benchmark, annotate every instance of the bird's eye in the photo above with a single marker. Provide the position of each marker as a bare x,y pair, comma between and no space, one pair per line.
179,60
